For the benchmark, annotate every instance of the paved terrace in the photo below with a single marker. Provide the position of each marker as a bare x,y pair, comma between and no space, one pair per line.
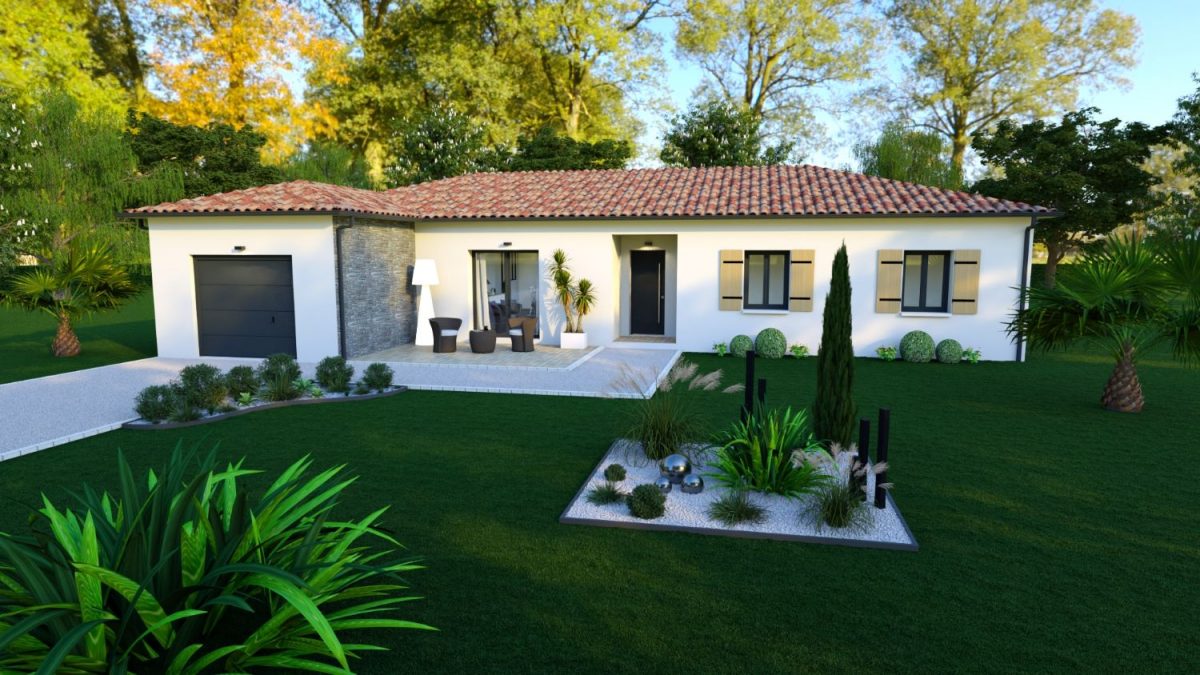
48,411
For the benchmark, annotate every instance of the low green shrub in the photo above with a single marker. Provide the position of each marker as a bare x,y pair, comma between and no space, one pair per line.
182,570
886,353
155,403
281,365
245,398
916,346
184,410
608,493
377,377
203,386
646,502
334,374
772,451
770,343
740,344
241,380
721,348
972,355
949,351
277,386
735,507
799,351
614,473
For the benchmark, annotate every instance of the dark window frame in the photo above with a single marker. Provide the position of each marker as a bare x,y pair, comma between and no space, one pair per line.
787,279
923,302
501,332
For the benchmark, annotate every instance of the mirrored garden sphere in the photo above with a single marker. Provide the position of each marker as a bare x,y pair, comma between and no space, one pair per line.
693,484
663,484
675,467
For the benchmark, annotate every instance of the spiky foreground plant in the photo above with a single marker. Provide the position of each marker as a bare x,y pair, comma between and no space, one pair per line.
182,572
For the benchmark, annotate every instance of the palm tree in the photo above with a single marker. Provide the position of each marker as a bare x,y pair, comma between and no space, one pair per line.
75,281
1127,296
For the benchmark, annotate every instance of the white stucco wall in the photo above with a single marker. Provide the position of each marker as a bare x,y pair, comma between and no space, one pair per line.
594,251
309,240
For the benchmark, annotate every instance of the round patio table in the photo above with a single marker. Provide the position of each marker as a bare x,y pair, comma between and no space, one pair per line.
483,341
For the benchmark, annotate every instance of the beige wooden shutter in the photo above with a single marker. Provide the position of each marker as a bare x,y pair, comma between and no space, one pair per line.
965,298
800,281
733,264
888,274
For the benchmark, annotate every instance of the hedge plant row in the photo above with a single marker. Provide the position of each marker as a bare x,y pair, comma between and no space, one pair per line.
918,346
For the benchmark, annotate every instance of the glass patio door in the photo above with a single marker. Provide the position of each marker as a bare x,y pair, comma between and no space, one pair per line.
506,285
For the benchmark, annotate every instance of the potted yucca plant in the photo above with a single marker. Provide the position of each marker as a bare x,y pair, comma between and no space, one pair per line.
576,298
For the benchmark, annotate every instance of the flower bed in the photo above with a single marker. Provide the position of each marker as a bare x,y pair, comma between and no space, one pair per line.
260,405
785,519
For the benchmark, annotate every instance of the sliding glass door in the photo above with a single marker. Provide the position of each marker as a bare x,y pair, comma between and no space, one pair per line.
506,285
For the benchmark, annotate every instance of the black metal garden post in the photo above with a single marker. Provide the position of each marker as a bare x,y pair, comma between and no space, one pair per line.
864,450
762,393
881,456
748,405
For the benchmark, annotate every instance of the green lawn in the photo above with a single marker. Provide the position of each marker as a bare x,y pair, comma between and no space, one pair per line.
107,337
1054,536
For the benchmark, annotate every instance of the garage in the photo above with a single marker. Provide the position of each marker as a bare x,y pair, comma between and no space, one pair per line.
245,305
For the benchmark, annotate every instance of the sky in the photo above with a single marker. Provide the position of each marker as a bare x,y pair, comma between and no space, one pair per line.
1169,53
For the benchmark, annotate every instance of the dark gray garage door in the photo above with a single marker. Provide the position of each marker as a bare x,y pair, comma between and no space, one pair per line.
244,305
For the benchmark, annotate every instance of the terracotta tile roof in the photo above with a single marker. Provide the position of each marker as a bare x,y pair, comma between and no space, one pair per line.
634,193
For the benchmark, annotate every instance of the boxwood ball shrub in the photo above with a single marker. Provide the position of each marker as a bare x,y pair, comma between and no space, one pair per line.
334,374
917,346
614,473
949,351
377,377
204,386
771,343
740,344
241,380
646,502
155,403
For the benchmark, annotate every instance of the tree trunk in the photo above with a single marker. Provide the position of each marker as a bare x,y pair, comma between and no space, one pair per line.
959,150
1123,393
1054,255
66,343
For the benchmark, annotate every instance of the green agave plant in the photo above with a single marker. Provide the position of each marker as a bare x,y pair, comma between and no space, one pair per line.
772,451
184,573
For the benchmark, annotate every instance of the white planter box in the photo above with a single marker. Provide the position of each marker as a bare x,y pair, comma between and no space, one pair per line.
573,341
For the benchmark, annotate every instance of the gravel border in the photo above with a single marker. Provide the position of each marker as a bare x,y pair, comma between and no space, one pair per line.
888,531
142,424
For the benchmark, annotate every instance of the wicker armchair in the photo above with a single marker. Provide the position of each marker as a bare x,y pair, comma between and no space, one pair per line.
520,330
445,334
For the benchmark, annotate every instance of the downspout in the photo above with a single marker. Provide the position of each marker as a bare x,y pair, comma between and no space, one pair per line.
341,285
1028,244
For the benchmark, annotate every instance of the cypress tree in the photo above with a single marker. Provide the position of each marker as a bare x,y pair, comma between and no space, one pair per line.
834,411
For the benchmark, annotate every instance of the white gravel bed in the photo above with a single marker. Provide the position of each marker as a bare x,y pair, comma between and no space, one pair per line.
786,518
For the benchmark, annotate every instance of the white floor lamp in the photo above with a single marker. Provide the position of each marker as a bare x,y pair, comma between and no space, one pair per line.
424,275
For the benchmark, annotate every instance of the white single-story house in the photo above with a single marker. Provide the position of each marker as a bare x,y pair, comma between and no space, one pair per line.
682,258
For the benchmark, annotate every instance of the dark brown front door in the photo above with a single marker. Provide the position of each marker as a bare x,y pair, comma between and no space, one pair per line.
647,292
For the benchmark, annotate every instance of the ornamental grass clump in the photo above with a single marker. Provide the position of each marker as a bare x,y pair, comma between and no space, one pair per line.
841,503
647,502
183,571
665,422
607,493
734,508
771,452
614,473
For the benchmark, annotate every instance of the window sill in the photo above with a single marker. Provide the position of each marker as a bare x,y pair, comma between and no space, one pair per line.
928,315
764,311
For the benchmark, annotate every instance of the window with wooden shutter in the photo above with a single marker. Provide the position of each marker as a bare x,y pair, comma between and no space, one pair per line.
800,284
965,298
888,274
730,276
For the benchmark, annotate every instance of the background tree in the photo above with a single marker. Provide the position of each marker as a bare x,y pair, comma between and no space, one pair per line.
834,411
548,150
79,278
225,61
1126,297
719,133
771,55
1092,172
976,62
116,29
438,144
211,159
44,48
328,162
912,155
78,173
